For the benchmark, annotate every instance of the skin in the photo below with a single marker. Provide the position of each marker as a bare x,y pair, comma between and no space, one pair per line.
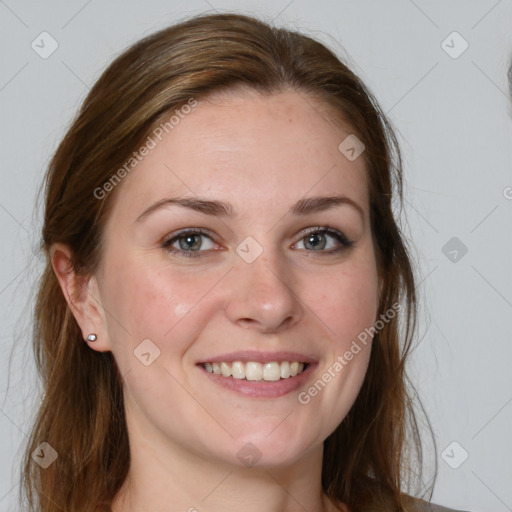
261,154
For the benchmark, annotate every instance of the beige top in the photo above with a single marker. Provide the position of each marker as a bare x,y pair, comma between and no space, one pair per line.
418,505
431,507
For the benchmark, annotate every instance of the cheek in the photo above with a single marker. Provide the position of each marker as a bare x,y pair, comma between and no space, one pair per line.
150,302
348,304
349,310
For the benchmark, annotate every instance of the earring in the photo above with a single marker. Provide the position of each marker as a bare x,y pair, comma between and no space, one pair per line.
91,337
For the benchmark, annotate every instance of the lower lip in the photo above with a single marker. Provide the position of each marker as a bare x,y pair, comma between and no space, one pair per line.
261,388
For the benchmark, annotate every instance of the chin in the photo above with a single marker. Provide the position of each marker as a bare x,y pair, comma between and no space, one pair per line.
266,451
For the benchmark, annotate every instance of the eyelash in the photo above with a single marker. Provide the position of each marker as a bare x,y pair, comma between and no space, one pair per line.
340,237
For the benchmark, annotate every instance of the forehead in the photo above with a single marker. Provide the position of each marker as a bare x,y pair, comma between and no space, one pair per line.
250,149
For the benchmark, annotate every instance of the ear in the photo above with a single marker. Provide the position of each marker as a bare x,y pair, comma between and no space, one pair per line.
83,297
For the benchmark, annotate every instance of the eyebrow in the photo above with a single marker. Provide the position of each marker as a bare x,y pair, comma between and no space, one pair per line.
302,207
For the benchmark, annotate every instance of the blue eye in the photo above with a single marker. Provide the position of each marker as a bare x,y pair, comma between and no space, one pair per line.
190,242
317,238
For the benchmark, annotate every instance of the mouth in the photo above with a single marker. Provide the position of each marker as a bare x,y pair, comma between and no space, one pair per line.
271,371
259,374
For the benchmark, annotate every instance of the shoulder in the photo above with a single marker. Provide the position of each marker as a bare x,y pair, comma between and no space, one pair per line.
417,505
383,503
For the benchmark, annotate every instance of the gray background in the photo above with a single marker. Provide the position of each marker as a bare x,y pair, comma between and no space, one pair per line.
454,121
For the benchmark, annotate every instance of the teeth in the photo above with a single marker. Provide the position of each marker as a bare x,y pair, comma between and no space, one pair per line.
271,371
225,369
237,370
285,370
252,370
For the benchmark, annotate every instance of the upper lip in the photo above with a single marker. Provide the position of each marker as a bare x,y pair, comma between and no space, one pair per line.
259,356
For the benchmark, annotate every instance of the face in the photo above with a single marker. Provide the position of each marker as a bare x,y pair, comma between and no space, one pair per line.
246,270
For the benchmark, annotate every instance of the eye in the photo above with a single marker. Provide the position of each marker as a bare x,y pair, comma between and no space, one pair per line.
317,239
190,242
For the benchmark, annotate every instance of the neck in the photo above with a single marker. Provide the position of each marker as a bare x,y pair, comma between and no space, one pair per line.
164,478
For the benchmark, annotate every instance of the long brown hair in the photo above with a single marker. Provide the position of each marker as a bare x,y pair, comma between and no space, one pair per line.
81,415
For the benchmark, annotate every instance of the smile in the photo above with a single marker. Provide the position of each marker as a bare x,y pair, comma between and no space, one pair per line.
255,371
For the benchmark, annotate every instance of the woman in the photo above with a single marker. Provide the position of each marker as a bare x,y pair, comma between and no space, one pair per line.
218,324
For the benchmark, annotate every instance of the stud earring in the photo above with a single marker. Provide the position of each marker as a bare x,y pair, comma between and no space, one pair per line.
92,337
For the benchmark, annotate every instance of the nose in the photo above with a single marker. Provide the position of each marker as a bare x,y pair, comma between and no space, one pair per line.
262,297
